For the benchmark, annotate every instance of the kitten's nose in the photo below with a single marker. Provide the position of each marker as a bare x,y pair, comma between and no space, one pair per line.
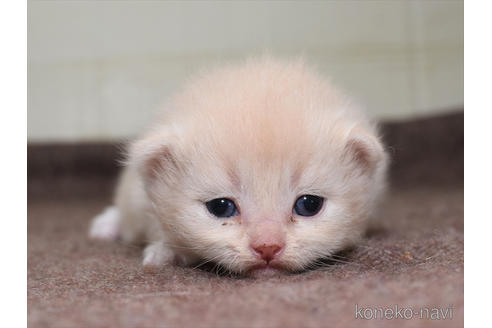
267,252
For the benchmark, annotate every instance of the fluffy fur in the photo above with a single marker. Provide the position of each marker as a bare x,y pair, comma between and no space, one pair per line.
261,133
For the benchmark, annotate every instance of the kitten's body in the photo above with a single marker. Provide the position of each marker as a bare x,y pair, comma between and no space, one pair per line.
261,134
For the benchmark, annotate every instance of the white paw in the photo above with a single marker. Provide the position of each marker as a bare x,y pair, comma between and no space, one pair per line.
106,226
156,255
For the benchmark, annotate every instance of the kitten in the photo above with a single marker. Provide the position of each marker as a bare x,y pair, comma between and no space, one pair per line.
257,167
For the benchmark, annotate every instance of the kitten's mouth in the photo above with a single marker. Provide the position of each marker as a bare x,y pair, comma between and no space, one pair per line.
265,270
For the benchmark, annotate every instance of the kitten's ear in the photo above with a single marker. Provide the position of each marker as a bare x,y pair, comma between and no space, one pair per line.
156,159
365,151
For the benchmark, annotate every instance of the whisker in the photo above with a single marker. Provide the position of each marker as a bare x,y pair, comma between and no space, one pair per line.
207,261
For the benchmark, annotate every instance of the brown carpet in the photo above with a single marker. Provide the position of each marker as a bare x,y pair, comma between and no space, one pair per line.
412,256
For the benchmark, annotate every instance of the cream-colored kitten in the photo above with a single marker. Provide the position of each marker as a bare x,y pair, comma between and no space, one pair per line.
255,167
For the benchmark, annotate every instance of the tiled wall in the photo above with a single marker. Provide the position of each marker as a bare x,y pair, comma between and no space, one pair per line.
98,70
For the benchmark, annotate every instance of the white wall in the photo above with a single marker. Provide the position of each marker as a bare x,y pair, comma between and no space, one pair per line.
98,70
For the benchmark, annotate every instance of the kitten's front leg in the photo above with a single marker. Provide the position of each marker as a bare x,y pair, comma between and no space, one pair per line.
156,255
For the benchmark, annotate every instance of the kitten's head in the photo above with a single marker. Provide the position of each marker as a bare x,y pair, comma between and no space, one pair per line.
262,164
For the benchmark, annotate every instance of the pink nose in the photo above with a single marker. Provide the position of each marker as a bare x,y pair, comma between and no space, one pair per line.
267,252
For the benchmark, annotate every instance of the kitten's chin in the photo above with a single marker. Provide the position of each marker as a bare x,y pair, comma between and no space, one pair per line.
265,271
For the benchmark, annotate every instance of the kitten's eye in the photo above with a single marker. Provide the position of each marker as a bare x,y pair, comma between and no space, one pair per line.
222,207
308,205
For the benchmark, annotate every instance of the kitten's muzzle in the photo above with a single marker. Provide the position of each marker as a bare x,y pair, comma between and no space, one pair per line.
266,240
267,252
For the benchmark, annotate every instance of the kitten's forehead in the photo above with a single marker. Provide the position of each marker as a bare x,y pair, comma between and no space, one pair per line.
264,162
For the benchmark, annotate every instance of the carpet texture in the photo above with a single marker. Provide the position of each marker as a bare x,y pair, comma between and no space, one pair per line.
412,256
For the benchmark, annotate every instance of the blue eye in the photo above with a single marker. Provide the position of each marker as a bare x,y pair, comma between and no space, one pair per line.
308,205
222,207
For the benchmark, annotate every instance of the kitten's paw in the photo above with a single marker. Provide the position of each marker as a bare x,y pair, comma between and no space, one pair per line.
156,255
106,226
